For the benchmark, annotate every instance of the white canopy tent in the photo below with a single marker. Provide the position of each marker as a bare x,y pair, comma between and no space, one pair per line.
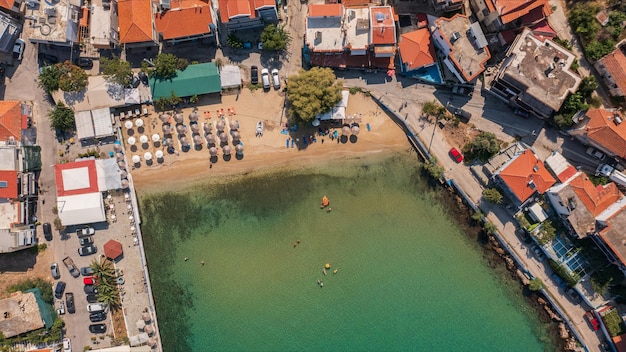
109,174
339,111
81,209
230,76
94,123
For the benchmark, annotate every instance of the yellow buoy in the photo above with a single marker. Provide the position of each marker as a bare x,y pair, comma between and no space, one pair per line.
335,271
327,266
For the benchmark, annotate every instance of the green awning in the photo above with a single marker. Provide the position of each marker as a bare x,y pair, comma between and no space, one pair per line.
194,80
32,158
44,308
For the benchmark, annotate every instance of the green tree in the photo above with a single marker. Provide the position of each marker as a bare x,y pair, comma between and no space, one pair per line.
116,70
103,269
483,146
61,117
433,168
547,233
536,284
490,227
43,285
312,92
165,65
588,85
72,78
579,19
492,195
48,80
430,108
275,38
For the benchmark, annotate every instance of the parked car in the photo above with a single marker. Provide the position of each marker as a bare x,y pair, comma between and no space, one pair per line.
463,90
90,289
92,298
47,59
456,155
83,62
254,75
595,153
58,290
47,231
86,271
573,295
538,253
135,81
593,321
87,250
95,307
89,280
97,328
87,231
97,316
61,309
85,241
275,79
67,344
458,112
521,113
265,78
18,49
54,270
69,301
143,77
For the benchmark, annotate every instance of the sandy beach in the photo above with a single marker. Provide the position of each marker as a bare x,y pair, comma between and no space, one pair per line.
260,153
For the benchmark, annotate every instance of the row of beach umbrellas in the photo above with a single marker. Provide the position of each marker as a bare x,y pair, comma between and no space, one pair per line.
147,156
129,124
143,139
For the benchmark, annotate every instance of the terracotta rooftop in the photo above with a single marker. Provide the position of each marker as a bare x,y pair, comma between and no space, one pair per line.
604,129
615,65
241,8
615,237
10,120
7,4
416,48
383,28
526,175
8,184
595,199
189,18
510,10
325,10
135,21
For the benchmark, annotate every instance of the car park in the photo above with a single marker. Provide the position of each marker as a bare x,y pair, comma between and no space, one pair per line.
47,231
254,75
595,153
87,231
85,241
54,270
58,290
265,78
538,253
593,321
275,79
95,307
97,316
90,289
69,302
456,155
18,49
89,280
83,62
87,250
86,271
92,298
67,344
97,328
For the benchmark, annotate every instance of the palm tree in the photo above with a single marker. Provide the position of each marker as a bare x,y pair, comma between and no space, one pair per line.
109,295
103,269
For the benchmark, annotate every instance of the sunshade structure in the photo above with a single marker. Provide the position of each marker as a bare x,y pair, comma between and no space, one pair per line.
207,128
193,117
165,118
117,147
234,125
93,123
132,140
119,156
210,138
345,130
183,141
159,154
197,140
179,118
194,80
148,329
223,137
169,142
125,184
355,130
128,125
219,126
195,128
151,342
113,249
121,165
236,135
147,156
143,139
239,149
136,159
167,129
156,138
180,129
227,150
145,316
139,123
213,151
123,174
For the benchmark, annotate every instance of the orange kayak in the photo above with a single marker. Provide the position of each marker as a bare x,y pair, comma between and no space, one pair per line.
325,201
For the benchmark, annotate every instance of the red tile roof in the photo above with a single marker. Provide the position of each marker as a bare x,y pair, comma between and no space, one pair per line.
615,64
135,21
596,199
567,173
603,130
511,10
325,10
241,8
526,175
416,48
383,29
10,120
191,20
8,178
7,4
91,174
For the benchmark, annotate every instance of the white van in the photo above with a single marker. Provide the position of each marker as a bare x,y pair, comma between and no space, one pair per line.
95,307
265,78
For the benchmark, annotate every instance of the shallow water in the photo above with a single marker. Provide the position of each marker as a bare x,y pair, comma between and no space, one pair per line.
407,279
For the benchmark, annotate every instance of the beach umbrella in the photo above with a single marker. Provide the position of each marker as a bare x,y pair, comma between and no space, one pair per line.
158,154
156,138
239,149
210,138
166,129
213,151
125,184
121,165
219,126
140,324
195,128
315,123
117,147
143,139
236,135
345,130
119,156
223,137
151,342
145,316
355,130
197,139
128,124
148,329
113,249
164,118
193,117
132,140
169,142
227,150
123,174
183,141
178,118
139,123
136,159
180,129
147,156
207,128
234,125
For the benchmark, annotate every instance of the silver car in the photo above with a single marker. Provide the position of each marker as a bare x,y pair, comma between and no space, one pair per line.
54,270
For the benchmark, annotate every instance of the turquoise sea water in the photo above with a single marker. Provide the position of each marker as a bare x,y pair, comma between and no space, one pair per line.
408,278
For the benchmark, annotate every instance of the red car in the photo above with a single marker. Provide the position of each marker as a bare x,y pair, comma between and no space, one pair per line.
456,155
91,280
591,318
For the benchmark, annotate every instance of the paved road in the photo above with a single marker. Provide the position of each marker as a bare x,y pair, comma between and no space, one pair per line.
488,114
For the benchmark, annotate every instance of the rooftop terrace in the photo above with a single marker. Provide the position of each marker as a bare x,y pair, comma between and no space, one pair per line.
357,26
56,24
324,34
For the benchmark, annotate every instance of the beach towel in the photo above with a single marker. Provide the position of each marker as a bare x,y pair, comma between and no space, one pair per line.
284,131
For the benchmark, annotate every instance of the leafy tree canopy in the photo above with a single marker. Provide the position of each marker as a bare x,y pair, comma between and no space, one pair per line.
313,92
165,65
71,77
49,78
492,195
116,70
483,146
61,117
275,38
